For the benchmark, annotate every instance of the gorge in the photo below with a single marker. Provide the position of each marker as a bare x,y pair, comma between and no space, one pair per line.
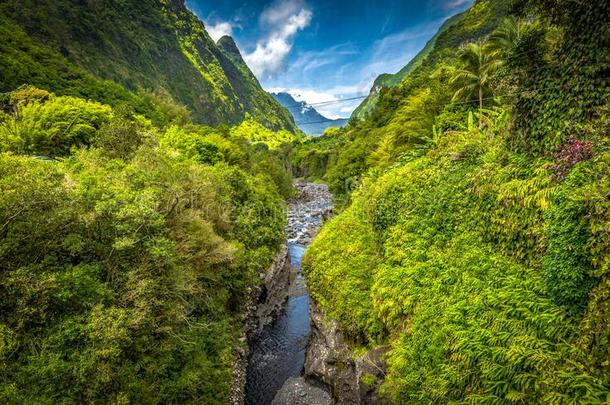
168,233
277,352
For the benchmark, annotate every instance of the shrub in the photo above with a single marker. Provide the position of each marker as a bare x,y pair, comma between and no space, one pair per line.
53,128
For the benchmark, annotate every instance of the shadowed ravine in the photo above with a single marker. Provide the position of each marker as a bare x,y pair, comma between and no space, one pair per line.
279,352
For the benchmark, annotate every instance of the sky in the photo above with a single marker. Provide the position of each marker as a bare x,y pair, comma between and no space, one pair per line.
326,50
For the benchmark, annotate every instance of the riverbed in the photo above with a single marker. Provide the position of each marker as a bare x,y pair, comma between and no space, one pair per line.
278,354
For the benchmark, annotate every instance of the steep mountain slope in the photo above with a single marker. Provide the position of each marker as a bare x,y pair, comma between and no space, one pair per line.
157,46
310,121
393,80
474,247
404,115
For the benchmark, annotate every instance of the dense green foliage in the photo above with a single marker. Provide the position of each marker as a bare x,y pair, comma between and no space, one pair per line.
570,86
129,236
52,128
476,246
126,265
404,116
118,52
461,262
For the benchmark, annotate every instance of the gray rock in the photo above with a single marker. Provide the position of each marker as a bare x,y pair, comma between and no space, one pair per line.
297,391
265,304
330,361
307,212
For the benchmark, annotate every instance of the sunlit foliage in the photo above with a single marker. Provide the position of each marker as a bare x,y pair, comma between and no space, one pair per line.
126,264
478,250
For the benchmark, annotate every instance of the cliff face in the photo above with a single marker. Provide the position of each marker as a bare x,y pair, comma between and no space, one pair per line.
152,45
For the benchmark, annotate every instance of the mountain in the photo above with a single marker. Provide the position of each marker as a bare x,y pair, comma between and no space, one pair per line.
392,80
120,51
473,251
310,121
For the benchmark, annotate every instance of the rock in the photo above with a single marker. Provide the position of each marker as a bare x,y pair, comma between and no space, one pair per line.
329,359
351,380
307,212
265,304
297,391
271,297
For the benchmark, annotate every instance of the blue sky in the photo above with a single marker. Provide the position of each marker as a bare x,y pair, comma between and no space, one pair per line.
326,50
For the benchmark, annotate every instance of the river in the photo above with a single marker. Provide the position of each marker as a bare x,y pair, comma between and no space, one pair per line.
279,352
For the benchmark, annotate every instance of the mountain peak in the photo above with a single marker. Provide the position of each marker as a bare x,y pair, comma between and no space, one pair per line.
177,5
215,84
228,46
306,116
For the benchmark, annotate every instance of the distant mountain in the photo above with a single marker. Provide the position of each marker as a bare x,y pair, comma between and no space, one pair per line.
393,80
113,50
310,121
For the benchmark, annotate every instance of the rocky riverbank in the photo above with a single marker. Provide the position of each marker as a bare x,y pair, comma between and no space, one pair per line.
278,323
307,212
266,302
350,379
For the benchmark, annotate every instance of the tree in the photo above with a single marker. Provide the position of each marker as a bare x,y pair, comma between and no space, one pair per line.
507,36
473,80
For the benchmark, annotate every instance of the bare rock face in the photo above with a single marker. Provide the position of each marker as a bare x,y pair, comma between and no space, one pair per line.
271,297
330,361
350,379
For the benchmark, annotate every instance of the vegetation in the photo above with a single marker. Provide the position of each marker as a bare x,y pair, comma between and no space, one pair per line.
473,239
127,262
123,52
474,79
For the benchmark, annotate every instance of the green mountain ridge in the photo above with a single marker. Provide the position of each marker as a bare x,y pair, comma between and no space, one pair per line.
115,48
472,248
393,80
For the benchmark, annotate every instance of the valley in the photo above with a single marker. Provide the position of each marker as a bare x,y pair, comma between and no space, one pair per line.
277,353
172,232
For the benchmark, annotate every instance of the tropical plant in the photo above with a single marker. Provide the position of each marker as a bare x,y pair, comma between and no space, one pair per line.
53,127
507,36
473,81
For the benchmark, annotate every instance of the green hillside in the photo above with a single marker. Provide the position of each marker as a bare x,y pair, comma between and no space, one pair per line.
404,115
125,52
131,234
473,243
393,80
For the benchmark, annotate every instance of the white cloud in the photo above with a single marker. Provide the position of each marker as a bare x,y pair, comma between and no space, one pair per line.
281,10
330,114
283,19
218,30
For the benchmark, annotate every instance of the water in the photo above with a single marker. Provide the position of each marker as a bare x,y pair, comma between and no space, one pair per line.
280,352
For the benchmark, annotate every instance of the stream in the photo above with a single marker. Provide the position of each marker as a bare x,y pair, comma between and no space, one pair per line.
278,354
